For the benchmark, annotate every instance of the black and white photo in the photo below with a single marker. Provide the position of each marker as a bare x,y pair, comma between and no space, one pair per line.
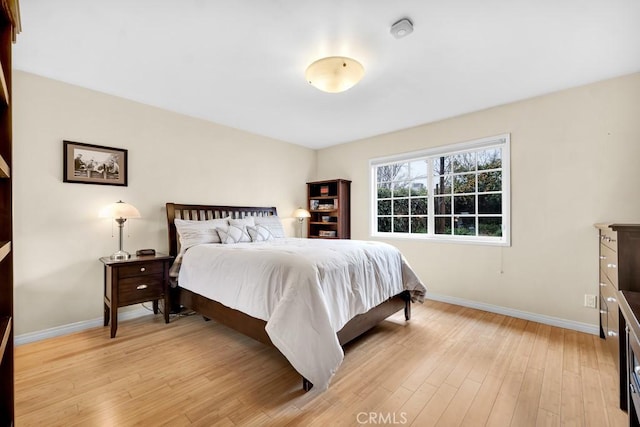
94,164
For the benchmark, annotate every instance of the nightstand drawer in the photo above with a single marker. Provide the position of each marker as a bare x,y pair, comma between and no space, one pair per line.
140,289
139,269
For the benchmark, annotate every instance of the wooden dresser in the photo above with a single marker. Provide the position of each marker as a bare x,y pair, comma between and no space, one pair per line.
630,353
619,270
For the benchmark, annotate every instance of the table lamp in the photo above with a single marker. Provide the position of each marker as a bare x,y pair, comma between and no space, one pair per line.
301,214
120,211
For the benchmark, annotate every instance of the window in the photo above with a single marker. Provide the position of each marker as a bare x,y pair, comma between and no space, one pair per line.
456,193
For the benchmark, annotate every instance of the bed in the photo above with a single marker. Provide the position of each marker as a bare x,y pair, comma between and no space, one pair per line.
199,258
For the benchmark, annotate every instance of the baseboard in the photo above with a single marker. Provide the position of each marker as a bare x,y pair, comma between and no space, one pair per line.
76,327
141,311
540,318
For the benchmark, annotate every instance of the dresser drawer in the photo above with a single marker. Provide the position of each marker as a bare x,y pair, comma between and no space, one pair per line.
609,322
609,264
610,296
604,316
140,269
612,319
141,288
611,270
606,282
609,238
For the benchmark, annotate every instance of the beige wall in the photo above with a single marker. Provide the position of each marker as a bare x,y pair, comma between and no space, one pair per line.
574,162
58,235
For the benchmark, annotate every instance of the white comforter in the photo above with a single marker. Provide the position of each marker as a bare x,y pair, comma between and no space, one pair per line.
305,289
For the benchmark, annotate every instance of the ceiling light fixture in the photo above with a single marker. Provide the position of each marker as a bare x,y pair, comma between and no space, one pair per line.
334,74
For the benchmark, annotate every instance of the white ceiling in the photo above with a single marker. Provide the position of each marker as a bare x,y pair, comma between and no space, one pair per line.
241,63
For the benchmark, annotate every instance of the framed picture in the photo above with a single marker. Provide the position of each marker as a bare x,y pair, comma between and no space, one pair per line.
94,164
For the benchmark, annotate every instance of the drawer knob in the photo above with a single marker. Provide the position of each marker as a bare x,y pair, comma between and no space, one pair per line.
602,285
611,299
603,257
612,334
141,287
143,269
612,265
603,311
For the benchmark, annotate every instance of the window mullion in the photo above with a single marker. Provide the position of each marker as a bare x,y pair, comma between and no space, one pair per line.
430,198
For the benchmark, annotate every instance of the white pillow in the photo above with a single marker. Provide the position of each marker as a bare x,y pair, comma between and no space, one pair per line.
273,223
233,234
260,233
242,224
198,232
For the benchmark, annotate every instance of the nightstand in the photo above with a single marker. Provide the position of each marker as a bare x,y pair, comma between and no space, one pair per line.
133,281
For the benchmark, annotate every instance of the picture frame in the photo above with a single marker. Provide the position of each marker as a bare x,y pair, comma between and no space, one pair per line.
94,164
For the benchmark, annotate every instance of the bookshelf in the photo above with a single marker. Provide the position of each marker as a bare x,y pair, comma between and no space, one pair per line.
329,203
9,28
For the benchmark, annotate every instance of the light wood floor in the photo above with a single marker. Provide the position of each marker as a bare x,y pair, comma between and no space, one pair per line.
448,366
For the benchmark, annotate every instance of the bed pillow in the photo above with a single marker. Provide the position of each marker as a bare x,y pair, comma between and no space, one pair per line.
233,234
273,223
198,232
260,233
242,224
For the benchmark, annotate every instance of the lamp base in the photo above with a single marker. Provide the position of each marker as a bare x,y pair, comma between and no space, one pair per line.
120,256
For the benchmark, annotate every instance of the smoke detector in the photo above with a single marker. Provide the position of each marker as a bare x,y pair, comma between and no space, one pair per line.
402,28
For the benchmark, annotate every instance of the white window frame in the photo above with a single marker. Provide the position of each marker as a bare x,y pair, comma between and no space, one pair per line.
502,141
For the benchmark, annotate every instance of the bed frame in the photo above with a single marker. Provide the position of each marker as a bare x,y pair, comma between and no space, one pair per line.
243,323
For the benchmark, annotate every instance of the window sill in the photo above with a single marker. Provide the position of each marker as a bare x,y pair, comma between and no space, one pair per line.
443,239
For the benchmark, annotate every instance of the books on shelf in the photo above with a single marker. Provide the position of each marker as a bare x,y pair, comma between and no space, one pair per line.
327,233
315,205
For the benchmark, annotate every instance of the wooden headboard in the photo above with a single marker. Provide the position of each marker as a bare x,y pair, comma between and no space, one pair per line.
205,212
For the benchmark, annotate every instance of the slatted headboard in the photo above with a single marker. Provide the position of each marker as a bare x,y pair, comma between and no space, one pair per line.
205,212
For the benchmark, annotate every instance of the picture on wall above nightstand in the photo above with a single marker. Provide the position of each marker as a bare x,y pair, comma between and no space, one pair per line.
93,164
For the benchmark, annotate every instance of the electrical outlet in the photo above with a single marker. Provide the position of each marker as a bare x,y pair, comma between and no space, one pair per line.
590,301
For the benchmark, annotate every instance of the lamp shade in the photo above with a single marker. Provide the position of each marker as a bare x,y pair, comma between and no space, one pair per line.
301,213
119,209
334,74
